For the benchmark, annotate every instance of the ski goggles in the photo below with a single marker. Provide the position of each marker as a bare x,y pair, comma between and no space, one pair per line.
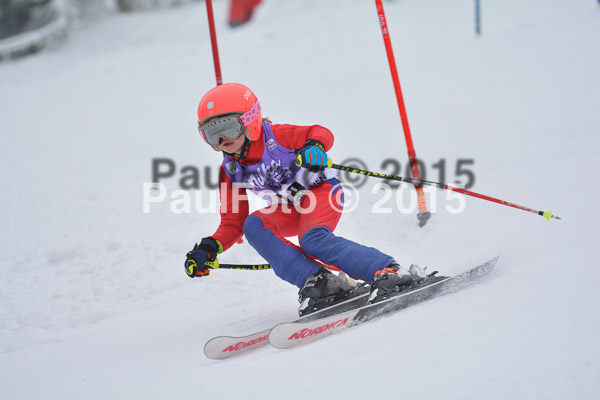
230,126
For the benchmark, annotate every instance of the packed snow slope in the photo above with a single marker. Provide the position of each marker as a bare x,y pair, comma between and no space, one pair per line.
96,305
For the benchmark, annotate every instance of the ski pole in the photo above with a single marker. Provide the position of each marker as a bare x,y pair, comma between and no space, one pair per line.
192,271
248,267
546,214
213,41
412,155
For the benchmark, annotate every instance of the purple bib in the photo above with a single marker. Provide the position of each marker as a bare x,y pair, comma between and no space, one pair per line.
276,173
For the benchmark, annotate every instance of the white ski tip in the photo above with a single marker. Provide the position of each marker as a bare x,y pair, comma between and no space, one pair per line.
222,347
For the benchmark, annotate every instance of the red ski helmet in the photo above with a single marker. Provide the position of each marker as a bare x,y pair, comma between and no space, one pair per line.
231,99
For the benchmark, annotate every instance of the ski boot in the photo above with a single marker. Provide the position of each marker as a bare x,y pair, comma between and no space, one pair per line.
393,280
323,289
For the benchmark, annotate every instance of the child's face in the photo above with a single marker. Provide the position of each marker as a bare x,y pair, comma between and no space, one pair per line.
232,146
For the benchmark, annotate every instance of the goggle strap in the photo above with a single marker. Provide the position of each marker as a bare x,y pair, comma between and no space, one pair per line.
251,114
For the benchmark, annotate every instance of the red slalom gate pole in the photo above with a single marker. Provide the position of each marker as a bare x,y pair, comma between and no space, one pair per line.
213,41
412,155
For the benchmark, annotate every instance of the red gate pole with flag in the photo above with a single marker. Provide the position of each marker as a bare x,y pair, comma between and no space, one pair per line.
423,214
213,41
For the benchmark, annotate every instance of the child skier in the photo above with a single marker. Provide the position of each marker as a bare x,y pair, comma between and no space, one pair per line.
289,164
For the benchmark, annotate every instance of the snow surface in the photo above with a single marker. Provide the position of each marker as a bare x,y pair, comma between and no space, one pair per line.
96,305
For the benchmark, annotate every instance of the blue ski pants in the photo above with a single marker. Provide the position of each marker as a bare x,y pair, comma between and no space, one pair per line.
313,222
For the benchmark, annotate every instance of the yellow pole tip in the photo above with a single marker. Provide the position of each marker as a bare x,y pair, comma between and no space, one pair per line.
547,215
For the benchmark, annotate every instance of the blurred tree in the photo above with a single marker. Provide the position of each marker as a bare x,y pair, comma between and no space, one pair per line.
17,16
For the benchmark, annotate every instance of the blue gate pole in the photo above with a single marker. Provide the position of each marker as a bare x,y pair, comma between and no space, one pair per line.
478,17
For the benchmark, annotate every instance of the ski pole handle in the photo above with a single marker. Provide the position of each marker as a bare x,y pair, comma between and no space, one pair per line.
212,264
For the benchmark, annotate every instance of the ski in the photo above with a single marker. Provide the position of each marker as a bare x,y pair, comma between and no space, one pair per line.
222,347
290,334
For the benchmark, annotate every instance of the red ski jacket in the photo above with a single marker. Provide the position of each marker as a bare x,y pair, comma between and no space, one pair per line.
233,215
